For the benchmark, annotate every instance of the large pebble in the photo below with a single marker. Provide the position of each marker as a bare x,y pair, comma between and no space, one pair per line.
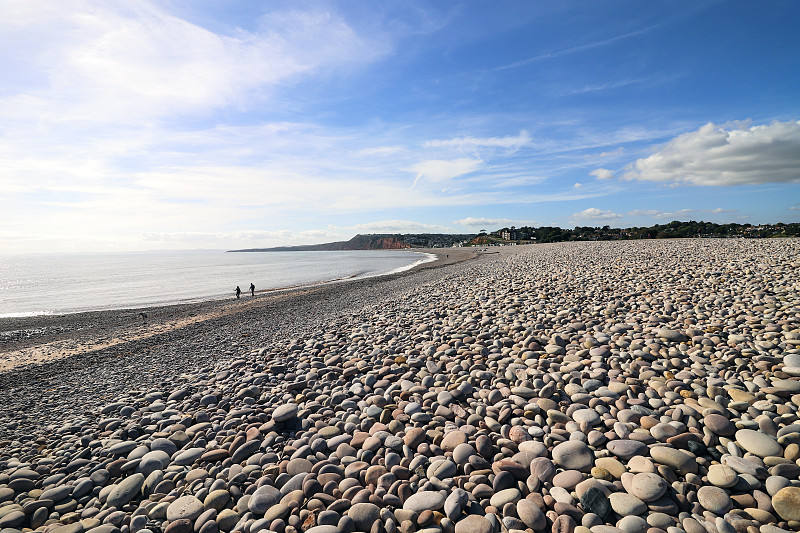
573,455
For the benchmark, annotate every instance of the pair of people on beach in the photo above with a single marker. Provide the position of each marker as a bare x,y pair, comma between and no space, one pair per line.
239,291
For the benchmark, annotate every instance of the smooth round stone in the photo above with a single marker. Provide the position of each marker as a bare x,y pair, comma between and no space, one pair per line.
586,416
462,453
56,494
426,500
543,469
125,490
324,529
328,432
453,439
567,479
633,524
263,498
758,443
626,449
676,459
285,412
217,499
151,461
530,514
648,487
187,507
776,483
672,335
573,455
473,524
719,424
786,503
298,466
164,444
505,496
626,504
364,515
722,476
690,525
663,431
188,457
714,499
227,519
12,519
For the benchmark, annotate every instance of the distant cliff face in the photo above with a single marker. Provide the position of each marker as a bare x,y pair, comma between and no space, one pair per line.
359,242
374,242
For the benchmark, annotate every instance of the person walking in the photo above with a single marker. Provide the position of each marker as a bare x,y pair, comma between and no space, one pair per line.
238,292
252,290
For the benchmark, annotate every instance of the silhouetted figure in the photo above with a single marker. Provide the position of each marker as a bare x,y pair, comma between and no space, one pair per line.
252,290
238,292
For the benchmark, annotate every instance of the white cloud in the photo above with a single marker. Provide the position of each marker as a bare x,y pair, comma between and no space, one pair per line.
602,173
679,213
594,213
399,226
644,212
474,222
438,170
380,151
127,63
713,155
577,185
508,142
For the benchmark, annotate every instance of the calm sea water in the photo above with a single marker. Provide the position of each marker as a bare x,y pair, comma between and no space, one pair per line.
68,283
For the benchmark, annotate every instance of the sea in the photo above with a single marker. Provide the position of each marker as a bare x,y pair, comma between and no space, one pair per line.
46,284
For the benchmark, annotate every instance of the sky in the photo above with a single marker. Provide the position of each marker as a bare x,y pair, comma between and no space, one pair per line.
197,124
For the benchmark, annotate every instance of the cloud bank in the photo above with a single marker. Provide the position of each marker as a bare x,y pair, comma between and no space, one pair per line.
713,155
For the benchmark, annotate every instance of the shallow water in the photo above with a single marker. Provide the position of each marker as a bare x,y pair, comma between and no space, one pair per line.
39,284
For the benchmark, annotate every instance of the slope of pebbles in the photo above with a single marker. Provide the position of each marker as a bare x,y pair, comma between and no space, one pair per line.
636,387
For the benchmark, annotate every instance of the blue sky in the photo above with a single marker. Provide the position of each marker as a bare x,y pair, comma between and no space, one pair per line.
133,125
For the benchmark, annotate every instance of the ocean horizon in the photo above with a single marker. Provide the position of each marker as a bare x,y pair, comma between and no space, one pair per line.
54,284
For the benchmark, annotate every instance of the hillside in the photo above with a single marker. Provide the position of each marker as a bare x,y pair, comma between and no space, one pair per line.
374,242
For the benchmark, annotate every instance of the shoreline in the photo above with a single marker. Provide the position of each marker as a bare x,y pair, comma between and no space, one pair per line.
40,339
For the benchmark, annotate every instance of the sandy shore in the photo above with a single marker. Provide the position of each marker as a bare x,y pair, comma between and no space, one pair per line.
583,387
41,339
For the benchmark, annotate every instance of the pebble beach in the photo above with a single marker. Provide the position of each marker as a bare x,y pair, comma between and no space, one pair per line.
585,387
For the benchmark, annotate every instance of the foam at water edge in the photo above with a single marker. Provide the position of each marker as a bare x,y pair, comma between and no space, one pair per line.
427,259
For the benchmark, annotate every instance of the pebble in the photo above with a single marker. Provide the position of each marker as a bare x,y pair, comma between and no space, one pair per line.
758,443
491,398
425,501
473,524
573,455
648,487
786,503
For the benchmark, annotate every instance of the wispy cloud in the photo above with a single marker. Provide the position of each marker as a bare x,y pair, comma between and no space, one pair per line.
109,62
679,213
437,170
483,222
509,142
399,226
579,48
